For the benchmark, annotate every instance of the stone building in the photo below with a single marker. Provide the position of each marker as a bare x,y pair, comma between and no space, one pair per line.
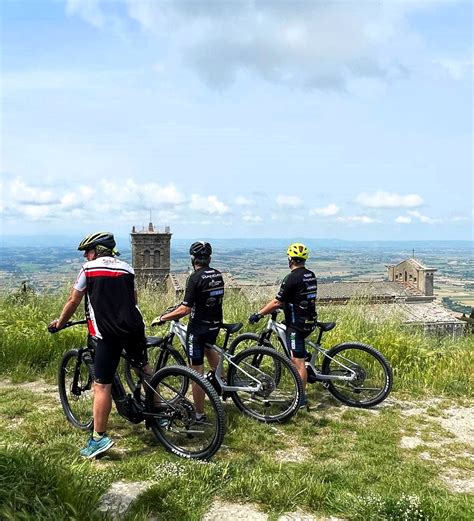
407,295
411,273
151,253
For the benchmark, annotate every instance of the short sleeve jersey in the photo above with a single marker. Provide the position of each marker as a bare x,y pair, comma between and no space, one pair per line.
205,294
298,293
111,310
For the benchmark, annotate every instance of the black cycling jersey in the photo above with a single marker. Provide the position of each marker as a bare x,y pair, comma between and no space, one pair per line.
298,294
204,294
110,298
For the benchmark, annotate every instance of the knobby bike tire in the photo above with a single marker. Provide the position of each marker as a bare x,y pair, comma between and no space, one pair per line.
183,435
375,375
253,339
279,399
77,406
246,340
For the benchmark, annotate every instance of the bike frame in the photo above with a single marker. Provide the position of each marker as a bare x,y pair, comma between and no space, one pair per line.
128,406
280,330
178,329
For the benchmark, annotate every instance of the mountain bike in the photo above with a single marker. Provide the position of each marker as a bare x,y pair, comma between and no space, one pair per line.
356,374
160,400
262,383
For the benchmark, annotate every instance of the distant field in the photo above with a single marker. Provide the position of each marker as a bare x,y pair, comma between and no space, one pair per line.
48,269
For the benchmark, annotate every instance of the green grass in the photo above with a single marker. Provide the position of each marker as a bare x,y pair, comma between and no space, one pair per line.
351,463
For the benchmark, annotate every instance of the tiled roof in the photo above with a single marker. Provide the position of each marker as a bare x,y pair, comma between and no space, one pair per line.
416,313
383,290
379,289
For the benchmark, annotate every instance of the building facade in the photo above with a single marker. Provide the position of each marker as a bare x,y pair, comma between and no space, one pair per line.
411,273
151,253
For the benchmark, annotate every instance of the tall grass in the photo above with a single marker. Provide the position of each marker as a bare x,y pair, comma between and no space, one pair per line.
422,363
352,464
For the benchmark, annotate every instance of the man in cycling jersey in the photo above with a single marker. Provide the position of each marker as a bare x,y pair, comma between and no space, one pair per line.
203,299
297,296
113,318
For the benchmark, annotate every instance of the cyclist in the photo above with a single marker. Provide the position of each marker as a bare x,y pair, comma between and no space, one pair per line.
297,296
203,300
112,317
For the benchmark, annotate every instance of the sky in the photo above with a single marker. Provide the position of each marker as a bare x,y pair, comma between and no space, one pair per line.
252,118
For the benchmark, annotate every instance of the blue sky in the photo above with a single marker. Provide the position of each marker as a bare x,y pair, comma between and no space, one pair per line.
349,120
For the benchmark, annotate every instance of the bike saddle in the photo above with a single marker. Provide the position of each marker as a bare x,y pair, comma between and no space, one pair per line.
326,326
232,328
153,340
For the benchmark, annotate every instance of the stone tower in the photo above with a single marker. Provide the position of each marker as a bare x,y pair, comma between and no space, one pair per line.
151,253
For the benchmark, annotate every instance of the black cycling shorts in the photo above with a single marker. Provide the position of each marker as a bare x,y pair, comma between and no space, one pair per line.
108,351
197,337
295,341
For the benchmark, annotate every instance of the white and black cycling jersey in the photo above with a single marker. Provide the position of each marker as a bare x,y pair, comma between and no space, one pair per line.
204,294
298,293
111,309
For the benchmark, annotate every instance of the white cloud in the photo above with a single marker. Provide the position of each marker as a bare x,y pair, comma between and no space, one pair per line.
389,200
291,201
457,69
250,217
423,218
403,219
119,198
243,201
210,205
326,211
89,10
297,42
22,193
363,219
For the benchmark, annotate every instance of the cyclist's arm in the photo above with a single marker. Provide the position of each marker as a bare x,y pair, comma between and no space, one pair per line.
69,308
179,312
270,307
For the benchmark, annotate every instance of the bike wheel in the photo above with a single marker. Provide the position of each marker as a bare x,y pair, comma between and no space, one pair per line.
281,388
373,376
175,424
157,358
76,389
246,340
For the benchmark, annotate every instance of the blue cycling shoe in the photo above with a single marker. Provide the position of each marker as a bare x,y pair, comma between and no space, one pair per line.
96,447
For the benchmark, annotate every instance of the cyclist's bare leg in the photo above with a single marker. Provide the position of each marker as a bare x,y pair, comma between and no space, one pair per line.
148,373
102,406
301,367
212,358
198,392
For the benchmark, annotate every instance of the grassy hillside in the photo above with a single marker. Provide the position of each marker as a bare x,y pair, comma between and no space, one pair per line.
422,364
333,460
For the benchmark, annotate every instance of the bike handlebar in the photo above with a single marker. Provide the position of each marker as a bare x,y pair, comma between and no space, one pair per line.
53,330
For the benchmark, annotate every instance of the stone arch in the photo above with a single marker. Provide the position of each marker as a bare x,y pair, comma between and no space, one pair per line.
157,259
146,259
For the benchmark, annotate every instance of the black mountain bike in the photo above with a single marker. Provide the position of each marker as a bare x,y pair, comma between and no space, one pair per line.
162,401
356,374
262,383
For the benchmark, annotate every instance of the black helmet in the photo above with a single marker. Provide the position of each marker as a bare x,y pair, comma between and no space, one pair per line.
104,239
200,249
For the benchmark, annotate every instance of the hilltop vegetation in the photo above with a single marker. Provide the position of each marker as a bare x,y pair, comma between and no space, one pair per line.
422,364
332,460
